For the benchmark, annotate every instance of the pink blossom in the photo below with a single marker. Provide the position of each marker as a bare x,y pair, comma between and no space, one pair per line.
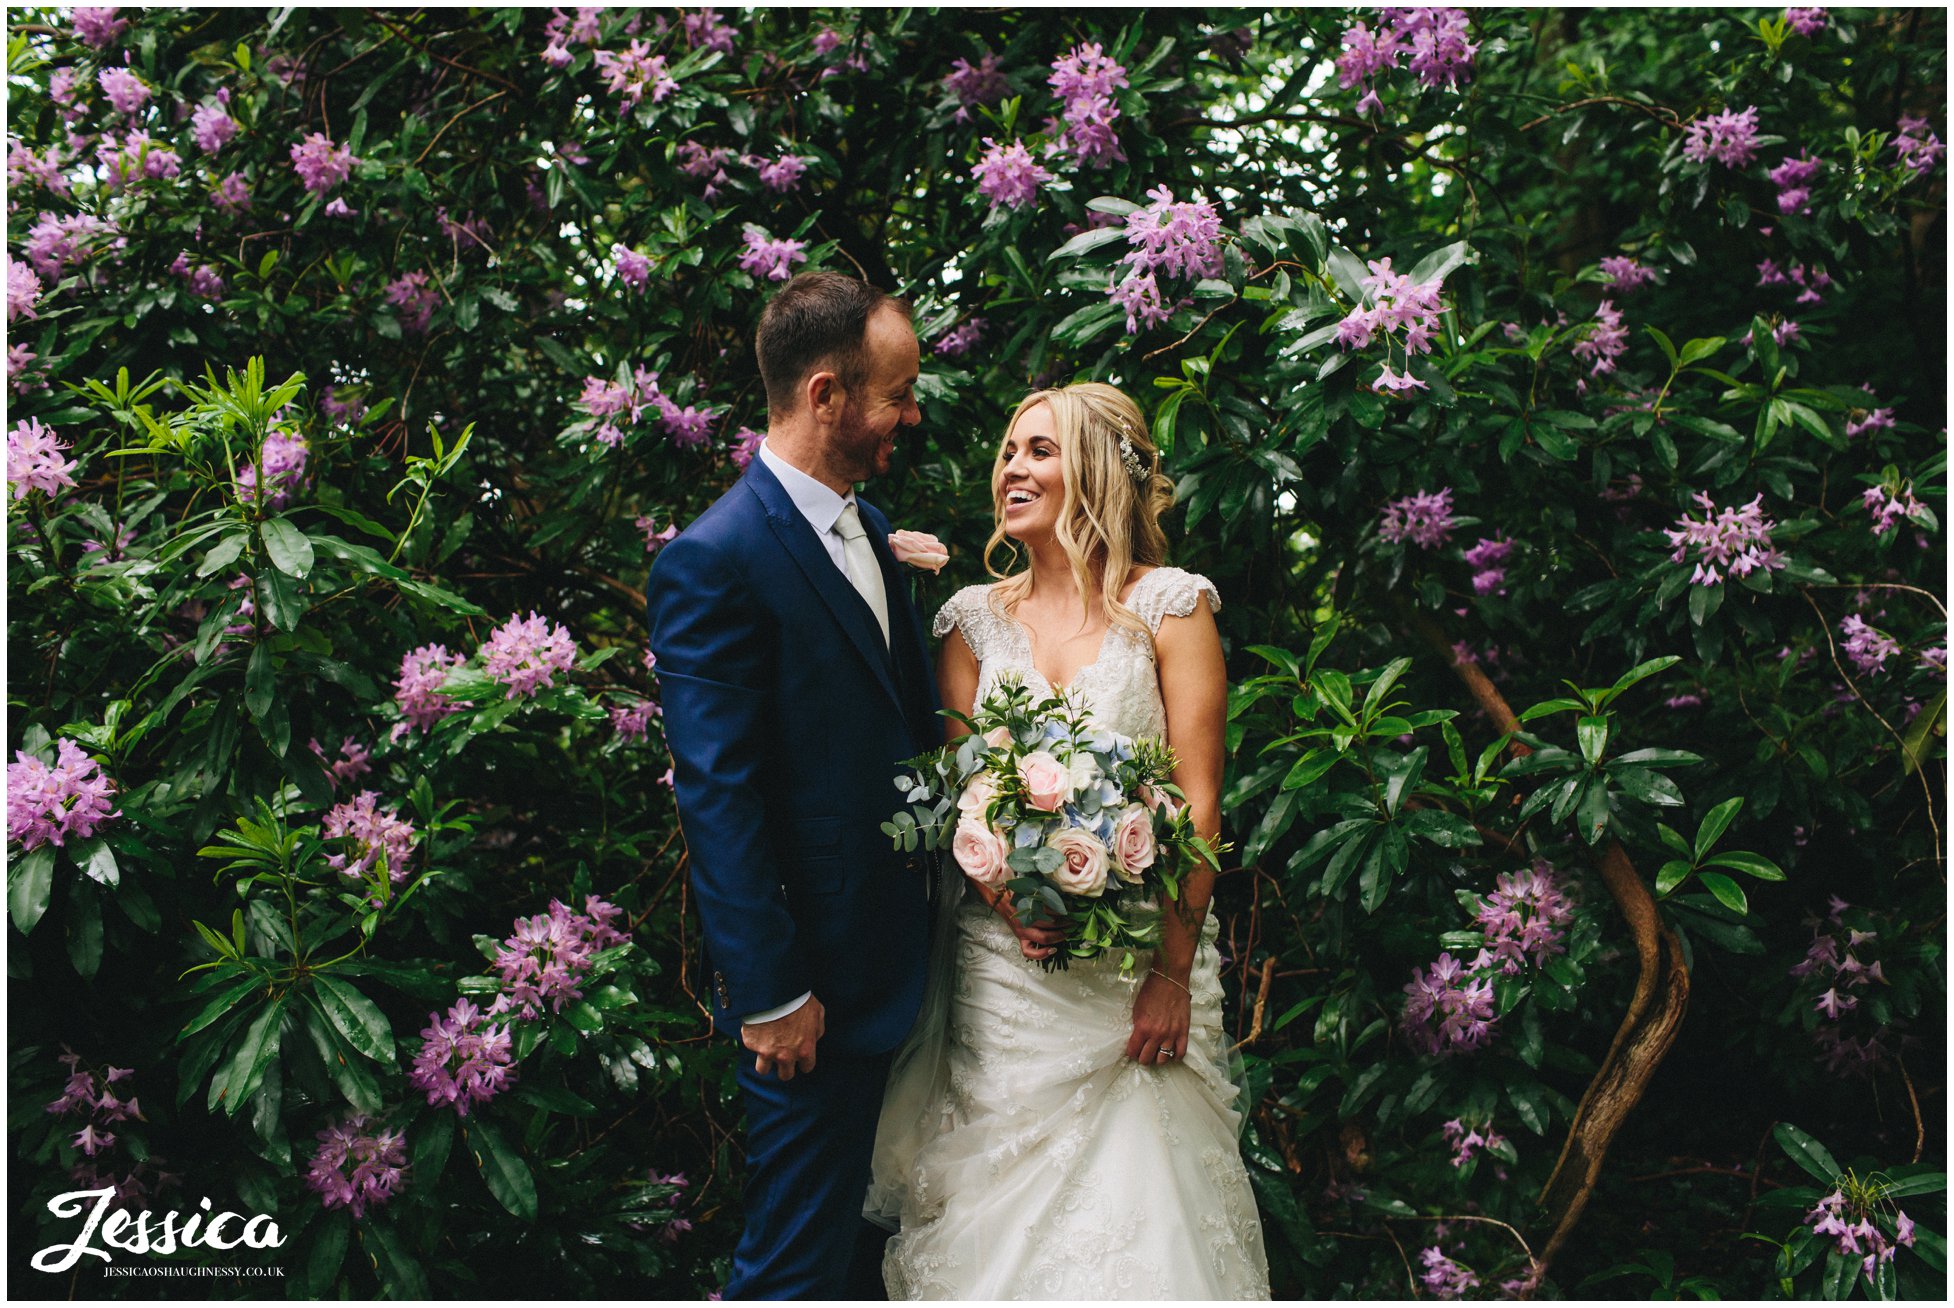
1421,518
47,805
632,721
1889,506
782,174
1440,53
1084,81
338,410
1867,646
45,168
232,195
745,444
765,257
633,269
20,360
1525,917
378,837
1806,22
1181,239
415,299
1366,53
353,762
1007,175
655,539
1140,296
320,164
634,73
211,128
23,289
1735,539
704,31
959,340
981,85
1449,1009
357,1168
548,955
283,457
1625,274
1397,381
526,654
53,242
1919,149
98,26
1861,421
416,690
1730,138
35,462
1605,342
1769,274
463,1060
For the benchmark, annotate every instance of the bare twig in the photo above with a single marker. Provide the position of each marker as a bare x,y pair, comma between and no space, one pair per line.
1261,1003
459,115
1665,117
1913,1102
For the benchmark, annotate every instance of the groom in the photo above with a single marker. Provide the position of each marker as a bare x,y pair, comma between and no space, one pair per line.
794,679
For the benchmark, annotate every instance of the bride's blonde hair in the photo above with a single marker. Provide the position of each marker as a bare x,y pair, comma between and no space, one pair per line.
1110,517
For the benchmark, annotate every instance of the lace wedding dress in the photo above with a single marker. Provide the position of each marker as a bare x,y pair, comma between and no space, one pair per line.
1022,1154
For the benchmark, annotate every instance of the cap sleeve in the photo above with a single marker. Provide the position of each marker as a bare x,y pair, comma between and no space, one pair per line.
967,611
1171,592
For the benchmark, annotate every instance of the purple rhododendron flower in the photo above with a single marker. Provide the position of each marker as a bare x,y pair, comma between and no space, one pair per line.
958,340
283,457
416,300
1606,341
984,84
655,539
1806,22
355,1167
1008,175
46,168
354,760
1523,918
1729,137
202,280
1867,646
23,290
464,1060
1140,297
633,269
232,195
34,459
97,26
688,427
1888,507
1440,53
745,444
1466,1142
634,73
782,174
1084,81
1180,239
633,721
526,654
376,834
416,689
704,31
1738,540
211,128
47,805
1424,519
1448,1009
771,259
125,91
1625,274
1802,171
1919,149
320,164
53,243
550,953
1860,421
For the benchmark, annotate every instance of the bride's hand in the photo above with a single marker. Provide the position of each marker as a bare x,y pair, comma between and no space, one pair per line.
1161,1018
1038,941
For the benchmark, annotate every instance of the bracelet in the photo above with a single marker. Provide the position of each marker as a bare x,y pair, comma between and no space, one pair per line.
1170,981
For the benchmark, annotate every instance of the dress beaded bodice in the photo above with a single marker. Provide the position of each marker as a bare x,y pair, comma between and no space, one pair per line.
1120,689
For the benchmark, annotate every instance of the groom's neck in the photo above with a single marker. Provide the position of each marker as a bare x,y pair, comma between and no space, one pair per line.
800,444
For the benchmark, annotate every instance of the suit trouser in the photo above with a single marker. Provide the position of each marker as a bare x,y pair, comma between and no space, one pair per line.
808,1146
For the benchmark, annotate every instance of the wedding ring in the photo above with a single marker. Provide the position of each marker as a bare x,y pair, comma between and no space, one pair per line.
1166,1051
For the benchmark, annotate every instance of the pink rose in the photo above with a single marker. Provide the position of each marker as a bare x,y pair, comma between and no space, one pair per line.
980,852
977,796
1084,872
1159,801
1133,846
919,549
1046,780
998,737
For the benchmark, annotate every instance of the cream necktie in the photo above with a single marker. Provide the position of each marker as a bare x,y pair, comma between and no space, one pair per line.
863,571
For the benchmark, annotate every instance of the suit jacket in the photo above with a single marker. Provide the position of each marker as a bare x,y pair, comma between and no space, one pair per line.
787,717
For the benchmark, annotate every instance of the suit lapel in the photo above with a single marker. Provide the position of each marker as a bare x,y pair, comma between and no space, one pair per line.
850,610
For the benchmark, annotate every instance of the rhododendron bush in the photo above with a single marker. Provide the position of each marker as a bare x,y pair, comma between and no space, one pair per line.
1556,397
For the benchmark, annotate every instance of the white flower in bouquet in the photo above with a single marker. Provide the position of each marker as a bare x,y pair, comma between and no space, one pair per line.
977,796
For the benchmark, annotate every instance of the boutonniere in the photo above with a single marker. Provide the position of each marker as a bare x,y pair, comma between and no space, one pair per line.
919,549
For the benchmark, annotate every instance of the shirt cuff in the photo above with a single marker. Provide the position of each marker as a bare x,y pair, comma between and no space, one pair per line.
775,1014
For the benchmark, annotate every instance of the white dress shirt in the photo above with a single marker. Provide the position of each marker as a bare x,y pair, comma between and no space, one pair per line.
821,507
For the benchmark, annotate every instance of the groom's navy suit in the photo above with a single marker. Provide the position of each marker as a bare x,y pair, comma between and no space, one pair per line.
787,715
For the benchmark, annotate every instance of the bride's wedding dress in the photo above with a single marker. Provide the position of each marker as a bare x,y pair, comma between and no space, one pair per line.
1023,1154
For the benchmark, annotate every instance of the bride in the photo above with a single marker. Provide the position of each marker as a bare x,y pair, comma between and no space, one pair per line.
1073,1134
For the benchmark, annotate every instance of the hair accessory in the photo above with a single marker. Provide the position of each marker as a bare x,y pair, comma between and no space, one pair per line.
1130,457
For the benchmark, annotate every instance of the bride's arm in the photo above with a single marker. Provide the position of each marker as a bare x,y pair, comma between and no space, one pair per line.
1194,688
956,683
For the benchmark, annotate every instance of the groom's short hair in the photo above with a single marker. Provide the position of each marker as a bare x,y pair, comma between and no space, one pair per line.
818,319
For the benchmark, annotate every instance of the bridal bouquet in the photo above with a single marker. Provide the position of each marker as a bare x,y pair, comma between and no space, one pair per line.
1077,825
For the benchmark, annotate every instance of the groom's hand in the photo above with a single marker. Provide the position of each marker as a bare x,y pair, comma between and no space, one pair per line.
785,1046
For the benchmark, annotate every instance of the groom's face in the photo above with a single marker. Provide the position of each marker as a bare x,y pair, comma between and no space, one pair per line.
865,438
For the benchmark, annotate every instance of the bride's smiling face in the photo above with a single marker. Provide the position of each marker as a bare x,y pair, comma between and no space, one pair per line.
1030,484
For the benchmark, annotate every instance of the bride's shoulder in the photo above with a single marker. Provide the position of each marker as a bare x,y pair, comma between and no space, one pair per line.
1165,592
968,611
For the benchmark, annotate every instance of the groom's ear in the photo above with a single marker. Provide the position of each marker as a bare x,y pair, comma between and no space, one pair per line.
824,396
